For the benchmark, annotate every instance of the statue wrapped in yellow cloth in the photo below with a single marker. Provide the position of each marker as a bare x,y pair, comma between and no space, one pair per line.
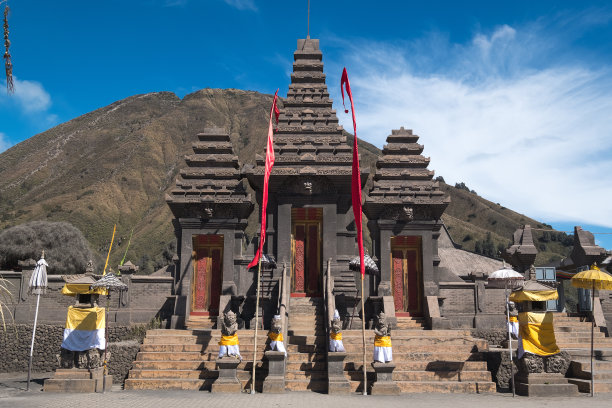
382,340
335,334
229,337
276,336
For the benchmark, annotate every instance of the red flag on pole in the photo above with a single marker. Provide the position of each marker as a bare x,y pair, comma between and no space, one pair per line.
356,175
269,164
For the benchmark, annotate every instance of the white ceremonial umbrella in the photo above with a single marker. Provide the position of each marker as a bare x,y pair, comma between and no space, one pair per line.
507,278
37,285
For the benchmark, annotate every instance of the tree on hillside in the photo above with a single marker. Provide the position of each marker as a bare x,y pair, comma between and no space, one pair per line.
66,249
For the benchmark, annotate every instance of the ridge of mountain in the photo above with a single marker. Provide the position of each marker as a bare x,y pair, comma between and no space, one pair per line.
114,165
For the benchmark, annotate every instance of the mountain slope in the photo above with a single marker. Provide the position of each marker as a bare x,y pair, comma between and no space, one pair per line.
114,165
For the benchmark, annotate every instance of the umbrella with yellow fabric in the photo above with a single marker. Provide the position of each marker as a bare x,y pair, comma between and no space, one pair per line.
592,279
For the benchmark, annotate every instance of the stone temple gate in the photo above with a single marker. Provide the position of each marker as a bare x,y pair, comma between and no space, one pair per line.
310,218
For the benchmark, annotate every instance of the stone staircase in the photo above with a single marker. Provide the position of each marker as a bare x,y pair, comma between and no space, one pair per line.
410,323
306,368
201,322
573,334
185,360
441,361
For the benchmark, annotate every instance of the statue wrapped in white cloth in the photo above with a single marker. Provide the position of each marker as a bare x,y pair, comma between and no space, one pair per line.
276,336
335,334
229,337
382,340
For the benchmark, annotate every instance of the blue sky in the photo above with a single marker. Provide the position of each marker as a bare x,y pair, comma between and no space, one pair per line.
511,97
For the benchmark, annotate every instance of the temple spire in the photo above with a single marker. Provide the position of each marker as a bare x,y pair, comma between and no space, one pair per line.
308,23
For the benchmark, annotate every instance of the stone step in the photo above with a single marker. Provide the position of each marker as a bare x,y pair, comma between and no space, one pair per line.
188,384
597,344
202,340
188,356
419,376
173,374
585,365
585,385
581,335
306,385
447,387
166,384
305,365
193,356
190,365
414,348
214,348
200,332
396,340
313,375
442,355
421,333
437,366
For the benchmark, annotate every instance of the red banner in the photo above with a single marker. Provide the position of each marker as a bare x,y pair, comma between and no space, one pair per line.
269,164
356,175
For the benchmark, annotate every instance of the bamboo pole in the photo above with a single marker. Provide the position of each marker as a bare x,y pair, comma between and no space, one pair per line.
32,345
592,329
365,374
256,319
509,340
105,372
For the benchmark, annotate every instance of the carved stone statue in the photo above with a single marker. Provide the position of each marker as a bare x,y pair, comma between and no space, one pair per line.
230,324
382,328
276,336
335,336
92,358
229,338
382,340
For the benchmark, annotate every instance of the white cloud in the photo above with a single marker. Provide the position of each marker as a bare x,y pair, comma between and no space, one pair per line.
30,96
242,4
500,114
32,100
4,144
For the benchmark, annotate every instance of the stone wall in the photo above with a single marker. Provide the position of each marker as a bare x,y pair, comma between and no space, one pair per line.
123,354
605,297
147,297
124,343
493,336
465,305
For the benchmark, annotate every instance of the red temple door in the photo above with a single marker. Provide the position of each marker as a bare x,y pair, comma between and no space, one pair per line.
306,252
406,275
207,274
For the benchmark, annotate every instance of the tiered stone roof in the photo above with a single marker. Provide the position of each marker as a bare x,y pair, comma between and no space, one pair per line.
403,186
308,141
211,185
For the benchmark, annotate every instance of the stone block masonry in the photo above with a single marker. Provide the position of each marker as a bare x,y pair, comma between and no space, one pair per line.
124,343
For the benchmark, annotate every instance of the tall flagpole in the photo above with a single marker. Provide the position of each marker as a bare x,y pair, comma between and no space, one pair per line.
356,202
262,232
256,325
365,372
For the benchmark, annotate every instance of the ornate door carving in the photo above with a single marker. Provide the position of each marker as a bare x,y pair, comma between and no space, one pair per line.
407,278
207,274
306,251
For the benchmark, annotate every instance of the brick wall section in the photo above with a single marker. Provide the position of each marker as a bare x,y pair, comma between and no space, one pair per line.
124,343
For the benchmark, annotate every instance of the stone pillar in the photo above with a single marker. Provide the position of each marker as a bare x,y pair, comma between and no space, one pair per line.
384,384
227,382
275,381
336,381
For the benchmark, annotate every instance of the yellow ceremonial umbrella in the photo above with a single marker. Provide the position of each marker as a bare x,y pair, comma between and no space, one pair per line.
592,279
